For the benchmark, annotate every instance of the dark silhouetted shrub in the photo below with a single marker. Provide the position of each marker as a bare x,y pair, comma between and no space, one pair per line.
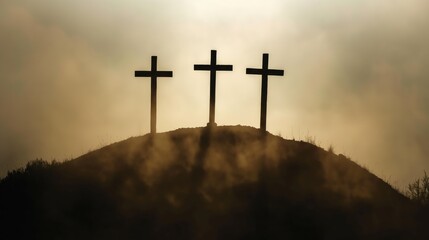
419,190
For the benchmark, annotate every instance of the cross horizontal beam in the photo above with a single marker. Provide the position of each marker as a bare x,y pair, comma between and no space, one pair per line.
153,74
271,72
201,67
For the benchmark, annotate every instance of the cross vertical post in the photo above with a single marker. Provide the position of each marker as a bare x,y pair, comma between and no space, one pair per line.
264,72
213,68
213,56
153,93
153,74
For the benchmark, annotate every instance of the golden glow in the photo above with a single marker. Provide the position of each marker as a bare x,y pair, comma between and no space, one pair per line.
355,74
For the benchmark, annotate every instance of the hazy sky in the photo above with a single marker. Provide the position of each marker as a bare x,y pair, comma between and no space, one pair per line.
357,74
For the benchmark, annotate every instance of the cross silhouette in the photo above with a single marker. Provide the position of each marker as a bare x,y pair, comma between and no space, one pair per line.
213,68
153,74
264,72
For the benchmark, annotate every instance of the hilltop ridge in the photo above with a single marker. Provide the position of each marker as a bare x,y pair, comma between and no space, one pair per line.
228,182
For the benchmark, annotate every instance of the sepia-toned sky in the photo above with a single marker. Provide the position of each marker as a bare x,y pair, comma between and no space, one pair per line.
357,74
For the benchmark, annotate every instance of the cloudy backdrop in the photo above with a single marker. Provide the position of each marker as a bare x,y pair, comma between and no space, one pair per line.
357,74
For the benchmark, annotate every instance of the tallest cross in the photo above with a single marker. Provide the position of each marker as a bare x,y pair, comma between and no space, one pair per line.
213,68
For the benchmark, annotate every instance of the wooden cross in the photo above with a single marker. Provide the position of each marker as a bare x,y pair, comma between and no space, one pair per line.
213,68
153,74
265,72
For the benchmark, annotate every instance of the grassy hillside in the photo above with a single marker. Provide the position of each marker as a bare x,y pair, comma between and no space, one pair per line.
225,183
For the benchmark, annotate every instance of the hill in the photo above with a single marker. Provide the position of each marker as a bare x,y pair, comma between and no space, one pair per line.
221,183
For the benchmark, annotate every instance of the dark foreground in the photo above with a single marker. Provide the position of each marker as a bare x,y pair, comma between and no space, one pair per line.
228,183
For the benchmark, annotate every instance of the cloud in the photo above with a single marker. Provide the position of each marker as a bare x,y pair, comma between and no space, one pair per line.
55,92
371,98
